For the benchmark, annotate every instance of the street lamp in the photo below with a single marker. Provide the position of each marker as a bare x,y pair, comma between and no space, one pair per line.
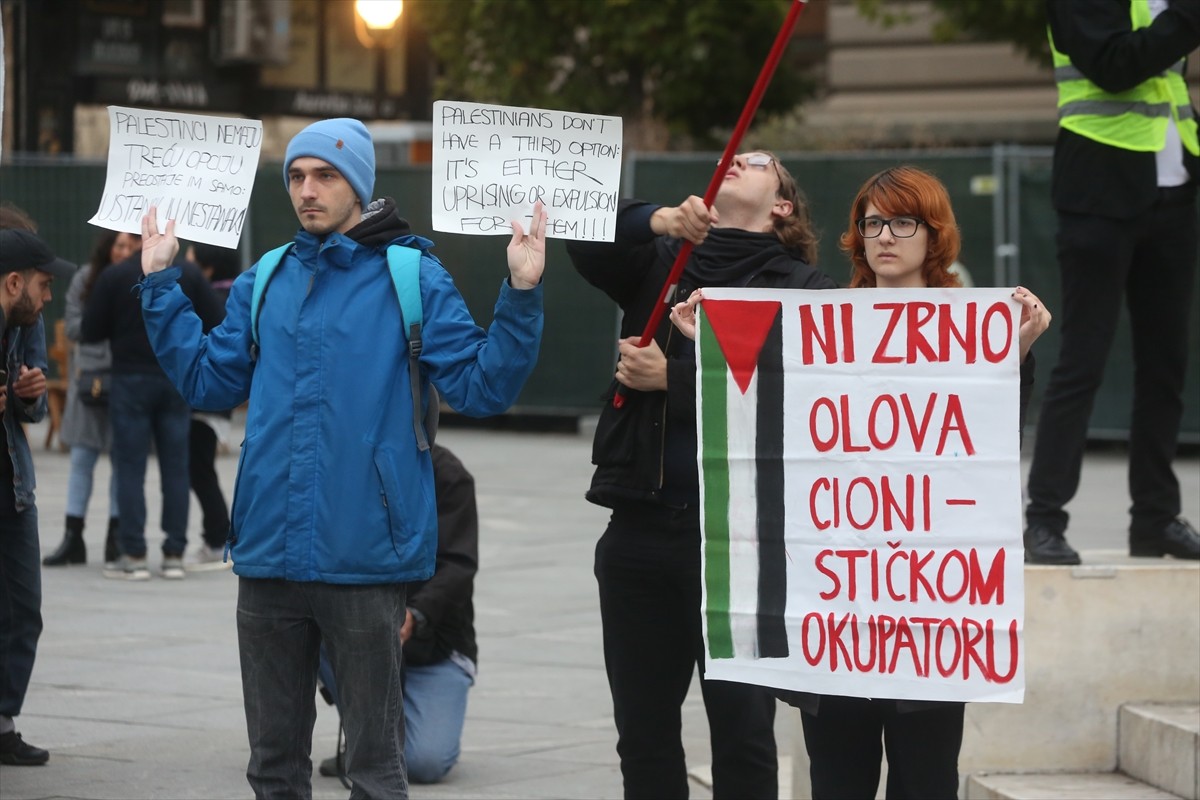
376,19
374,23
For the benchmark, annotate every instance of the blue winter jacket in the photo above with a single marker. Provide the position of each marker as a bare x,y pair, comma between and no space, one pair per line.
331,485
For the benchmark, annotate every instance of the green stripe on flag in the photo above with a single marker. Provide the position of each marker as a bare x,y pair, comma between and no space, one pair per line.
715,442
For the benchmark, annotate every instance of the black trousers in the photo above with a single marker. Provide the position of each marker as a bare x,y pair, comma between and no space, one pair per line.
847,736
202,454
1150,262
648,570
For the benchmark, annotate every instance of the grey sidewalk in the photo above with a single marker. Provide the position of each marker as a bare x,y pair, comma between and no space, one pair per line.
136,690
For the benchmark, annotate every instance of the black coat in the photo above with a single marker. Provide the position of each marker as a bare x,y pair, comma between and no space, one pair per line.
1094,178
634,444
444,601
114,312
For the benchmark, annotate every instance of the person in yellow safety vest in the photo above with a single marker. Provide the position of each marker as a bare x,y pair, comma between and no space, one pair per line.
1126,168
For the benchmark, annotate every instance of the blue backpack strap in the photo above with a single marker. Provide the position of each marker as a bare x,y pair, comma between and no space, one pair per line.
266,269
404,263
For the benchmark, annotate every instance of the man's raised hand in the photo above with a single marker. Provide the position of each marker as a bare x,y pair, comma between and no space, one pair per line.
158,249
527,251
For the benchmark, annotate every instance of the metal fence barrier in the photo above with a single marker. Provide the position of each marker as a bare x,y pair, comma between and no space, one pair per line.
1000,194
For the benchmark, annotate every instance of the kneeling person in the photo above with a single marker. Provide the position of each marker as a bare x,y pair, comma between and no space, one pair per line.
438,634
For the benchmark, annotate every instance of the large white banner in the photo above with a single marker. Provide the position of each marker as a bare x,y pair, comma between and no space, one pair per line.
860,490
492,163
198,171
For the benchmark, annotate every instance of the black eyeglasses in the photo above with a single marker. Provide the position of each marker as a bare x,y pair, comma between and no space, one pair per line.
901,227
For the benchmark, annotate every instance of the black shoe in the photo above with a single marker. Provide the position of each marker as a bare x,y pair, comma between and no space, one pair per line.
1046,546
72,550
1178,539
15,751
329,767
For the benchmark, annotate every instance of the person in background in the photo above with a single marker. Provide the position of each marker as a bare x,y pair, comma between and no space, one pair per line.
144,407
85,427
14,217
902,235
759,234
1124,181
438,634
220,266
27,270
334,509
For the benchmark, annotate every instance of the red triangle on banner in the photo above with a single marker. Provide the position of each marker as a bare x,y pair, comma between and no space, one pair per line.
741,327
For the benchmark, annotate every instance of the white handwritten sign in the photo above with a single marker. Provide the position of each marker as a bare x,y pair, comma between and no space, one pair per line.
492,163
198,171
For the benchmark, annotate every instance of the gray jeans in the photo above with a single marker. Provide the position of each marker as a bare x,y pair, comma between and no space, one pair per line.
281,625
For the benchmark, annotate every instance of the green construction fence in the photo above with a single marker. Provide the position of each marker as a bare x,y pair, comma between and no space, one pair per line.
1002,204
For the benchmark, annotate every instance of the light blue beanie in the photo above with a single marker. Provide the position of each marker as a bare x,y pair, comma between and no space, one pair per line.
345,144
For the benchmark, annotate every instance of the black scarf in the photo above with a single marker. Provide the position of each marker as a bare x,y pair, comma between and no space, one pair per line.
730,257
381,223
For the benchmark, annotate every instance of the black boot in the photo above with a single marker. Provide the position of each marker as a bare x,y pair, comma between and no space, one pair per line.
72,550
111,551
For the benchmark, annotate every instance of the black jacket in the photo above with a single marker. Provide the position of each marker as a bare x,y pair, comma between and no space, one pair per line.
114,312
444,601
646,451
1097,35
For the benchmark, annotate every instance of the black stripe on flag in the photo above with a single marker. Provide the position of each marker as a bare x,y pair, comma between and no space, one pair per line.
772,555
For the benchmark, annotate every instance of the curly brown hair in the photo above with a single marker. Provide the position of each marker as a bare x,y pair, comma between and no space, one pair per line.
899,191
796,231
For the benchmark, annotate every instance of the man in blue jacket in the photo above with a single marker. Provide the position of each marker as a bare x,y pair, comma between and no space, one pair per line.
334,507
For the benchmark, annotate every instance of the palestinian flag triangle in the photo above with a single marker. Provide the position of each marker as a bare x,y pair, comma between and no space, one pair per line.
742,486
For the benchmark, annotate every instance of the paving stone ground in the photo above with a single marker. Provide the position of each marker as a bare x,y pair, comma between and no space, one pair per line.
136,690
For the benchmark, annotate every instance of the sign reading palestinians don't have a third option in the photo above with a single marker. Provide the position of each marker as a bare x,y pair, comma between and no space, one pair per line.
492,163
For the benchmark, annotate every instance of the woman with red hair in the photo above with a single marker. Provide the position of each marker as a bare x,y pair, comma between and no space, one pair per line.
902,234
914,246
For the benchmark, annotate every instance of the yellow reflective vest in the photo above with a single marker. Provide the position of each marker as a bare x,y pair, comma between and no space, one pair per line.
1135,119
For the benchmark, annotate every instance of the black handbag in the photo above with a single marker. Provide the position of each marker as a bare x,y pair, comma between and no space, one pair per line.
92,387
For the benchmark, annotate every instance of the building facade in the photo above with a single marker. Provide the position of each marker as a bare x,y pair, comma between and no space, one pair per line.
285,62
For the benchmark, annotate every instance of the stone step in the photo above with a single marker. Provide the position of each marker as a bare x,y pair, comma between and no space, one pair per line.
1159,743
1061,786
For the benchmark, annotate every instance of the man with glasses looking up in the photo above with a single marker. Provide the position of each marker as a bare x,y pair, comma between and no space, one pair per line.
758,233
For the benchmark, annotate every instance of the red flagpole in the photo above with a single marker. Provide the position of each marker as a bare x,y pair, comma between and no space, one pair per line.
731,148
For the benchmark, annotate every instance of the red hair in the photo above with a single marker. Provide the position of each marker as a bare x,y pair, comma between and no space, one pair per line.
901,191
